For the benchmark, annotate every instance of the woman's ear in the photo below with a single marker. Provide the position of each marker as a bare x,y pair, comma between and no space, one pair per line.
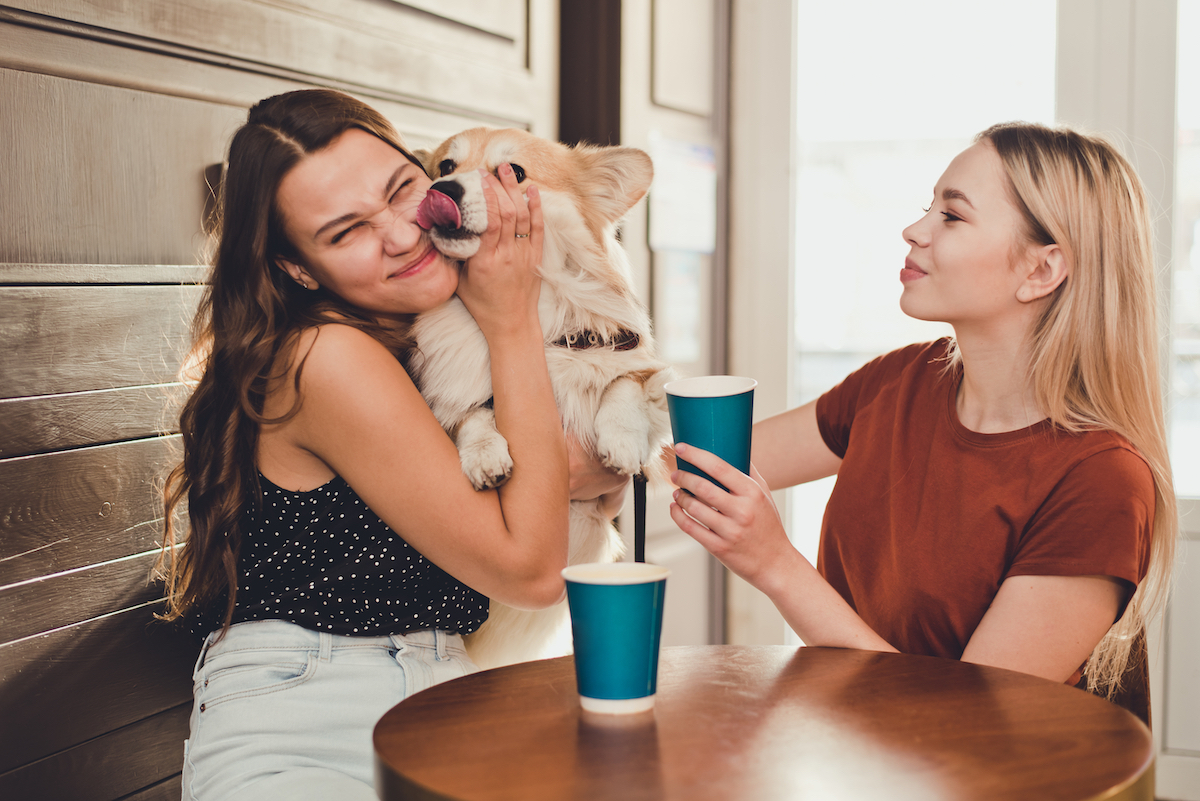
297,273
1048,270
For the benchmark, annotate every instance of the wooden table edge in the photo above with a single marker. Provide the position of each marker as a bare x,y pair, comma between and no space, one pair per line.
1137,788
390,782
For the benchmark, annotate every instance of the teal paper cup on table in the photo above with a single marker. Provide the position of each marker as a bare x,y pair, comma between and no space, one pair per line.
616,625
715,413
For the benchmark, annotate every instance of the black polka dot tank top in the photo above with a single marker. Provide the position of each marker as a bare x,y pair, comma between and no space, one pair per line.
323,560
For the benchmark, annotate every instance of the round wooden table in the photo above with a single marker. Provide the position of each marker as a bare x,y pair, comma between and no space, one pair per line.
766,722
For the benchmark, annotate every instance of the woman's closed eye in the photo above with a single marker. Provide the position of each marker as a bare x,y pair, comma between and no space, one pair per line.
400,191
342,233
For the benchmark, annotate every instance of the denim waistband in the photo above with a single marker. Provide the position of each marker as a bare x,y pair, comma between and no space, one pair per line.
271,634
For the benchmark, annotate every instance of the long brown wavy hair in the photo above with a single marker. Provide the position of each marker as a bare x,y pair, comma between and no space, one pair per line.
1095,347
250,313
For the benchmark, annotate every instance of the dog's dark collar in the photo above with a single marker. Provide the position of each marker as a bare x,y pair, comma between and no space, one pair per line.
624,340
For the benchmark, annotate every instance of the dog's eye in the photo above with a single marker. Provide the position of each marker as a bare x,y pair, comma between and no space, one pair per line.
518,172
446,167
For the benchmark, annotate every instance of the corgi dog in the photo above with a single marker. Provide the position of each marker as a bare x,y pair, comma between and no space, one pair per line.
607,380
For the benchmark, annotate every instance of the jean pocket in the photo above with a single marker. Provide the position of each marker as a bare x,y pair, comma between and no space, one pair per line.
244,673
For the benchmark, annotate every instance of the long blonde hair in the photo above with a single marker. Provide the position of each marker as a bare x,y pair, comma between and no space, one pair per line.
1095,357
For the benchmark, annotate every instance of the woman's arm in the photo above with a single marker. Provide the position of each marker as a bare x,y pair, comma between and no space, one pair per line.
1046,625
363,418
591,480
1042,625
788,448
743,530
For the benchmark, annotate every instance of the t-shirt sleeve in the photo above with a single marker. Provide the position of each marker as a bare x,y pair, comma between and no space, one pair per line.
837,407
1096,522
835,413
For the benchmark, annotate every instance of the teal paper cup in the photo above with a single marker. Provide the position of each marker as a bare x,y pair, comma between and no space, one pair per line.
713,412
616,624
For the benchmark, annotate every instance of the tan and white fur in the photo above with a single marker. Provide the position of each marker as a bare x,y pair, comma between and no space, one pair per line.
611,400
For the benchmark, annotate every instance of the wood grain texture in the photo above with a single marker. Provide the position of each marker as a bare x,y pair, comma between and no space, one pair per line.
504,18
71,420
127,187
165,790
150,753
444,59
767,722
218,80
31,607
61,339
65,687
67,510
103,274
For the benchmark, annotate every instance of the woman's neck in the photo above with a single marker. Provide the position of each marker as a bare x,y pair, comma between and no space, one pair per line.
996,393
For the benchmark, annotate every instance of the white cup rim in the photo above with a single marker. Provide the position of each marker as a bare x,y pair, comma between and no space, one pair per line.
615,573
709,386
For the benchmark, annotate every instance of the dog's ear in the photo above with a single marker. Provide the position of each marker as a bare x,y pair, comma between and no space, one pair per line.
613,178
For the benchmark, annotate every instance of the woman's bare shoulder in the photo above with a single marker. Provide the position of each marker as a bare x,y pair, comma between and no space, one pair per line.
331,356
341,387
333,343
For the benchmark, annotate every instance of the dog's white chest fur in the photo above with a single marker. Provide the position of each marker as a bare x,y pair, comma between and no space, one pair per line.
600,350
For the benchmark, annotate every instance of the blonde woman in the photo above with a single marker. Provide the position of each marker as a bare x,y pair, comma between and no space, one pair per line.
1003,496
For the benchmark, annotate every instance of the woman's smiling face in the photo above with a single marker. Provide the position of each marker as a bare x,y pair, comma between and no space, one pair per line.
961,266
350,212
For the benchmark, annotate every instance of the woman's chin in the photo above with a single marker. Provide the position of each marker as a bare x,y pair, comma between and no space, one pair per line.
912,309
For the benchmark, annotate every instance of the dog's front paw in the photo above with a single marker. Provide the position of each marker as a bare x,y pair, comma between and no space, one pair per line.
623,451
483,451
624,429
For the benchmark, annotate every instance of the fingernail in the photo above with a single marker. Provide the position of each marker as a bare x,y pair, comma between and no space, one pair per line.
680,447
506,168
675,495
532,190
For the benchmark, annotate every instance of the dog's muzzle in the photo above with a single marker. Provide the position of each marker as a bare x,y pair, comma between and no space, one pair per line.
440,207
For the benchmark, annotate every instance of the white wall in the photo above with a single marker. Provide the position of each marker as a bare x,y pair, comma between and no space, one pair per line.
761,253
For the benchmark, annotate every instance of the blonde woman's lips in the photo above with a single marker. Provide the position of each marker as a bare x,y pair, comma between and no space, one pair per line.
911,271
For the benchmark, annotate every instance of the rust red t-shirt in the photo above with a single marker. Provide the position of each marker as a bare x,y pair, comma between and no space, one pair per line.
928,518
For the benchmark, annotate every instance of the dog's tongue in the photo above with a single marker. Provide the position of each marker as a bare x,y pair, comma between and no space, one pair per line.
437,209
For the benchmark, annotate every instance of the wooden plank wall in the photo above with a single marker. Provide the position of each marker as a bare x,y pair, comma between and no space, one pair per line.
112,112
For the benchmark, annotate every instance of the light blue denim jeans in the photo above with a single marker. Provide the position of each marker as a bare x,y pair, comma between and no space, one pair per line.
282,712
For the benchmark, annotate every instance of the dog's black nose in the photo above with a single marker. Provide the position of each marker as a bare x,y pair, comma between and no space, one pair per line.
451,189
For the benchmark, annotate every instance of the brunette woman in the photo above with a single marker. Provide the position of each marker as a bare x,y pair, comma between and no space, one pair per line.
335,552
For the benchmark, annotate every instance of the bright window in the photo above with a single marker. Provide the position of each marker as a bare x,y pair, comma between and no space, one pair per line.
888,94
1184,399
